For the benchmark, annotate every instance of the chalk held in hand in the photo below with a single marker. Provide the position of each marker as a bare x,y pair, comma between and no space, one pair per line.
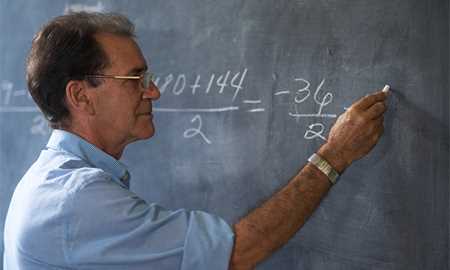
386,88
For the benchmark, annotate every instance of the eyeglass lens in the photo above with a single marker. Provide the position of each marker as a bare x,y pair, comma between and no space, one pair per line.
147,78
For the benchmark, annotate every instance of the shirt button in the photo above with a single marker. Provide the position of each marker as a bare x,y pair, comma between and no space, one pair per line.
125,178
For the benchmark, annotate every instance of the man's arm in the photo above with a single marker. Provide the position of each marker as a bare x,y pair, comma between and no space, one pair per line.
270,226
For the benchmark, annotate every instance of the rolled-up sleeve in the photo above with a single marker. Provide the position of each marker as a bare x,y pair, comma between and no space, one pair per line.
209,241
110,227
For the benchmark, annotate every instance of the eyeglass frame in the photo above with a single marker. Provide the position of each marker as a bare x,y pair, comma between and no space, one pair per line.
142,78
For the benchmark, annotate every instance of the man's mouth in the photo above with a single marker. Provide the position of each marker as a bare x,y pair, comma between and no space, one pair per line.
144,113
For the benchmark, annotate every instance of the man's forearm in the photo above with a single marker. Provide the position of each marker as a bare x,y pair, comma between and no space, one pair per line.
270,226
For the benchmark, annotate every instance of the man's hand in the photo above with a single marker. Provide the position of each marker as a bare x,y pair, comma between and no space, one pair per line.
356,131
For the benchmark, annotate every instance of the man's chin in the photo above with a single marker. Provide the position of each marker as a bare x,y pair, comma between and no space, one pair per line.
146,133
143,131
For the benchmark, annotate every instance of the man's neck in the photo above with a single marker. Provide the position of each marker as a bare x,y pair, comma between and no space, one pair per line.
111,148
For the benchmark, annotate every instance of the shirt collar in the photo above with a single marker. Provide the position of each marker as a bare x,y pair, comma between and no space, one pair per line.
69,142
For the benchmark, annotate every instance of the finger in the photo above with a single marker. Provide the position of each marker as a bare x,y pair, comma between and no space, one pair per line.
376,110
368,101
378,135
380,132
379,120
377,128
380,123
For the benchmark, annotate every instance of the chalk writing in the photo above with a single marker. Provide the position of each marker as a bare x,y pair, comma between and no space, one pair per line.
311,133
203,110
229,82
9,95
81,7
191,132
216,83
303,94
180,83
195,85
6,90
40,126
281,92
254,102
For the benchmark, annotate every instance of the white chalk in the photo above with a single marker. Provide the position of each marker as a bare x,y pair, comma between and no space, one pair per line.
386,88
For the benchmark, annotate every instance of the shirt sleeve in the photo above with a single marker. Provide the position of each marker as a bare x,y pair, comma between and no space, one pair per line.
110,227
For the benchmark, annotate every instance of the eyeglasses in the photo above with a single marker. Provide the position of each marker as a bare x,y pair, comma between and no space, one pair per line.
145,78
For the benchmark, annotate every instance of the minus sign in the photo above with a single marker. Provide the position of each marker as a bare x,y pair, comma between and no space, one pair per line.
281,93
19,93
256,110
252,101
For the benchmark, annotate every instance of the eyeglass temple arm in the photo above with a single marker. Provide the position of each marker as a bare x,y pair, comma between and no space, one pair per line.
115,76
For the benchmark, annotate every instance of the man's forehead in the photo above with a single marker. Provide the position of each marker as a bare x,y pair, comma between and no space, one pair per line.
123,52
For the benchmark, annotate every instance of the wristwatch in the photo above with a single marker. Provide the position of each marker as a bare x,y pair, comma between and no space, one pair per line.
324,167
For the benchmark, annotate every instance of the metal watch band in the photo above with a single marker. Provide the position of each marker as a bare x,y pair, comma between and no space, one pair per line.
324,167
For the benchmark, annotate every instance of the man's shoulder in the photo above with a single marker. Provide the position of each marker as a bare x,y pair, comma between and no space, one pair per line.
60,170
42,204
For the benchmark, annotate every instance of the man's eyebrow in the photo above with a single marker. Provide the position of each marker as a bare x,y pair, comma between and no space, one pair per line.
137,70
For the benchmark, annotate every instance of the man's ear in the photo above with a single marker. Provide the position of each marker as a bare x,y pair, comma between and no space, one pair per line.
79,98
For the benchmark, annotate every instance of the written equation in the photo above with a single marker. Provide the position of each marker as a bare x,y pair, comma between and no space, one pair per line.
227,86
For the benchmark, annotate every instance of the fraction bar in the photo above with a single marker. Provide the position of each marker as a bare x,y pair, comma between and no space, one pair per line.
313,115
224,109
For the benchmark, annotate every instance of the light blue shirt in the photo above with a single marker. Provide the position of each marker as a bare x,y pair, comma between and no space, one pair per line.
73,210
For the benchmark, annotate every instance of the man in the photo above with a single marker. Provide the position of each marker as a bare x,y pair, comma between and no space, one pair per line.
73,209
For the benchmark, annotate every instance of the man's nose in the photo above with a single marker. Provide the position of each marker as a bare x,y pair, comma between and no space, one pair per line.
151,92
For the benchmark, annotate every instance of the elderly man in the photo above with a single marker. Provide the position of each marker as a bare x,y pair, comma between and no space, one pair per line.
73,208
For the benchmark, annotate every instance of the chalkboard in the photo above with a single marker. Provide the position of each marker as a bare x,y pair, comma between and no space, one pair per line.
250,89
